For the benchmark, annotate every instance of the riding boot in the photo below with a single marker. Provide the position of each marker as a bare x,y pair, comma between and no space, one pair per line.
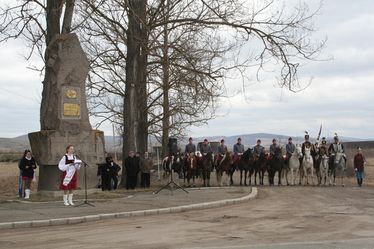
358,181
360,184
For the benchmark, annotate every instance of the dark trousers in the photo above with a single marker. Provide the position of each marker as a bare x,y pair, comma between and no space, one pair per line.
146,180
115,181
105,182
131,182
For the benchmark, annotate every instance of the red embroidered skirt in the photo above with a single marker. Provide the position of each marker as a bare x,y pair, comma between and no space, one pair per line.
72,184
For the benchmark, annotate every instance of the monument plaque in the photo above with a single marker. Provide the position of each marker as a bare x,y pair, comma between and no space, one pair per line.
71,103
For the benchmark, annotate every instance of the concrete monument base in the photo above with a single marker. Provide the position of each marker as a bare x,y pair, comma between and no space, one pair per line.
49,147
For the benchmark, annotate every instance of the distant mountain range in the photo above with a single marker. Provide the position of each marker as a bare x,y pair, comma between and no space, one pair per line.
21,143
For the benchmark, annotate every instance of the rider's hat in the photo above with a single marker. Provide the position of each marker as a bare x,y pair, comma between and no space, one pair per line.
205,140
274,140
239,139
336,136
222,140
190,139
258,140
306,135
290,139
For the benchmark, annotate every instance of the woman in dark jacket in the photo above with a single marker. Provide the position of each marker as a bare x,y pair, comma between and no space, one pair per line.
27,166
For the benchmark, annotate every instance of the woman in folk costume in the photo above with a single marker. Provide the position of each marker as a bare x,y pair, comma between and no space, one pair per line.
69,165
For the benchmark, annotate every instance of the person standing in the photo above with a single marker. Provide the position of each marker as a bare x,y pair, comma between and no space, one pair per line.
27,167
359,163
132,170
105,175
146,165
114,171
69,165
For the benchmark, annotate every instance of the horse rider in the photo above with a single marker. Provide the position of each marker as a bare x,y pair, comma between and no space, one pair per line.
258,149
205,147
321,150
238,150
309,145
190,147
335,148
222,149
273,148
290,149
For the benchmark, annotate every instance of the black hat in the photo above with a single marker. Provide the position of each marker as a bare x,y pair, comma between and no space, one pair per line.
274,140
258,140
239,139
205,140
222,140
290,139
190,139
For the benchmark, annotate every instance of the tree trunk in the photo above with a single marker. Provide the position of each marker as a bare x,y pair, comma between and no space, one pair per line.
49,105
135,101
165,88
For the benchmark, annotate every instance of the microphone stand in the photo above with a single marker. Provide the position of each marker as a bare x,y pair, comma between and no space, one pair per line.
85,202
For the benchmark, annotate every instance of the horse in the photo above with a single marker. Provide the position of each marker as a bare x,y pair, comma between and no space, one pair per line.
323,169
225,166
177,165
167,163
337,167
261,166
307,165
191,167
294,164
246,164
276,164
207,166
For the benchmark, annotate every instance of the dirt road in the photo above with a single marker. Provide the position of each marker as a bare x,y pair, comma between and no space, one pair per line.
281,217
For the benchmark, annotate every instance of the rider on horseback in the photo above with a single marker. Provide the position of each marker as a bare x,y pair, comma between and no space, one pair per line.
222,149
334,148
190,147
290,148
258,149
238,150
272,149
205,147
308,144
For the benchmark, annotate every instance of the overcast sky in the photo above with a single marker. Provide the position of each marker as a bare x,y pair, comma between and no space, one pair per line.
340,97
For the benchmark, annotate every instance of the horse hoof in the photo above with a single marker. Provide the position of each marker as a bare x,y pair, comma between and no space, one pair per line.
342,185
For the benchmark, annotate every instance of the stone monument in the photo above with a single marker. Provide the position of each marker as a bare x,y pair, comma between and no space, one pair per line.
68,122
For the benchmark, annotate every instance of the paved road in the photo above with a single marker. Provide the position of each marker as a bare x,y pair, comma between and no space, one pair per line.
281,217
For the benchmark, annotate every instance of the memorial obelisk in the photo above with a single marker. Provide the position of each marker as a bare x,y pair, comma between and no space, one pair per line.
66,114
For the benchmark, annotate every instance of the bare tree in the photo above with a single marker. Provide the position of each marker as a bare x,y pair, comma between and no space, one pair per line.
38,22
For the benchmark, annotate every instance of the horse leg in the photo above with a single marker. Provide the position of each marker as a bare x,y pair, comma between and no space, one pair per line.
241,176
280,177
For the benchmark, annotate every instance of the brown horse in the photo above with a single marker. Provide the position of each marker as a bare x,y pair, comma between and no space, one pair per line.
225,166
245,165
191,167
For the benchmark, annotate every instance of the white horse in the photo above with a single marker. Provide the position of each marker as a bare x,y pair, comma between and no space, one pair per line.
324,169
294,164
308,165
337,168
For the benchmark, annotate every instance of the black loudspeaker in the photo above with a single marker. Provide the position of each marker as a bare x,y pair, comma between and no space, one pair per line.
173,146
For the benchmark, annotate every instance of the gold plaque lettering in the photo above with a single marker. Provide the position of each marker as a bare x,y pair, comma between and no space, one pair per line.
72,109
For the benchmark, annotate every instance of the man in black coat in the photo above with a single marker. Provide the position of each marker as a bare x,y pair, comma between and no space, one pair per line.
132,170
